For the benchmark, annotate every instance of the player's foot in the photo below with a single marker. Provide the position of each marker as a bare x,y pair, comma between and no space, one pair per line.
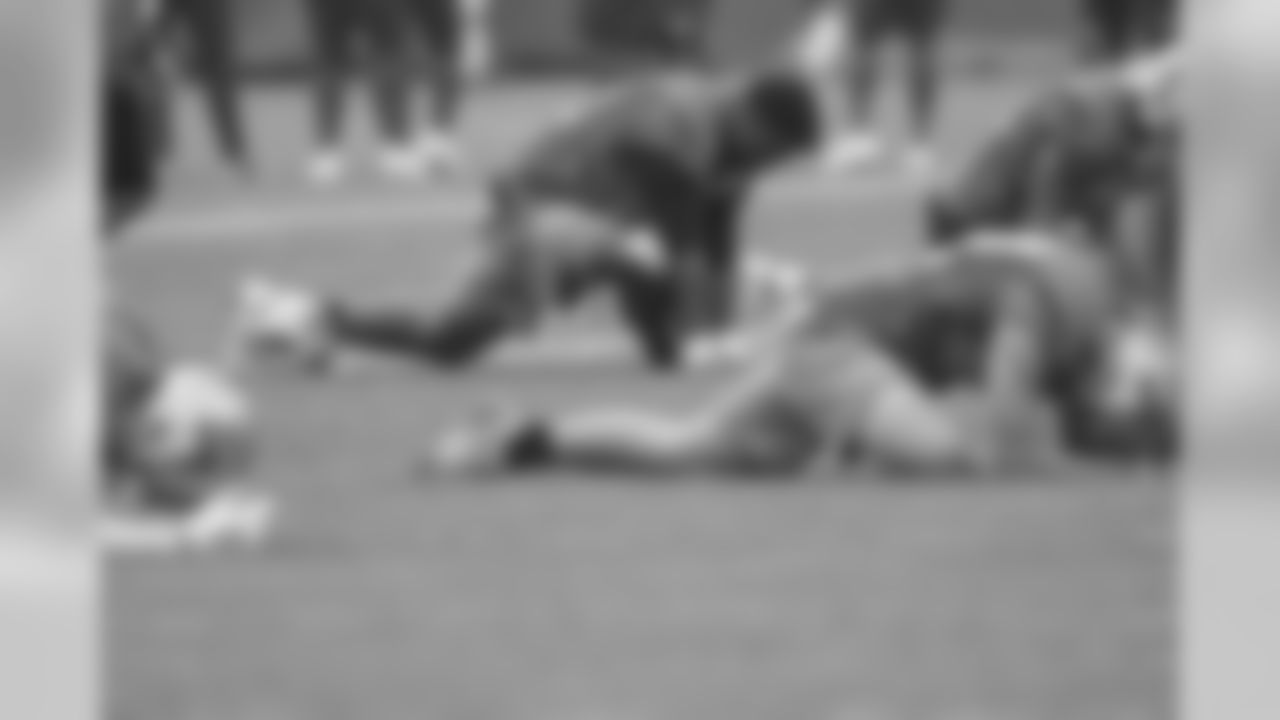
483,447
227,519
854,152
326,168
441,154
276,321
403,163
231,518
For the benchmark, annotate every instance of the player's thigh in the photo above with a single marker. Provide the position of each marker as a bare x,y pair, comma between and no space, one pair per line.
549,253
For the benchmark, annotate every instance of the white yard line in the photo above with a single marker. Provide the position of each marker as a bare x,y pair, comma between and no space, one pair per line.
307,219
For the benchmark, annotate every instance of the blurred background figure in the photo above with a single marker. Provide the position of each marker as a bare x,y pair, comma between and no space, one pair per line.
1121,28
452,39
873,27
389,37
134,133
343,31
205,32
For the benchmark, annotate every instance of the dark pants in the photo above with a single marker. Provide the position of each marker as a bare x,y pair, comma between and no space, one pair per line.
518,283
436,25
384,33
1118,28
209,26
342,31
917,25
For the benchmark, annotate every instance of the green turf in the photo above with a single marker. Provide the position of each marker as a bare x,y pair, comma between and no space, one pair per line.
569,599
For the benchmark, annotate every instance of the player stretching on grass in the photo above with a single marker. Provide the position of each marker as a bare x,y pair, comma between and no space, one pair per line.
642,197
869,374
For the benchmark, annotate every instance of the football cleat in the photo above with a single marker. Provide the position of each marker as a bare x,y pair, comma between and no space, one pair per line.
277,322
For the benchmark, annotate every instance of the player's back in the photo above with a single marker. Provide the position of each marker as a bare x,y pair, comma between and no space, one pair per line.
636,151
598,157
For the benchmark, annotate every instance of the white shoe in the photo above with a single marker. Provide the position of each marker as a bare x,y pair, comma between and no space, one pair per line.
228,519
441,154
274,321
327,168
404,163
918,162
854,152
231,518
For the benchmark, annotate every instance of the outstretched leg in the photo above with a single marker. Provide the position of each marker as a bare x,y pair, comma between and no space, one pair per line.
497,301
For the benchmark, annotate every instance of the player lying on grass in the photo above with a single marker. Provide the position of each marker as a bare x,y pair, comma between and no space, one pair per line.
642,197
1067,156
173,434
177,440
935,366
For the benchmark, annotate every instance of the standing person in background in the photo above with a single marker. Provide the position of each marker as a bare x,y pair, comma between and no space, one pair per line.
208,29
1118,29
872,25
383,30
454,39
341,29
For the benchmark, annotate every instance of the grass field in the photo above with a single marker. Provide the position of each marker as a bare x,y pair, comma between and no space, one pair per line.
568,599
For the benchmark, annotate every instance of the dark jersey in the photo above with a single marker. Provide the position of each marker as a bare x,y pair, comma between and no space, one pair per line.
653,154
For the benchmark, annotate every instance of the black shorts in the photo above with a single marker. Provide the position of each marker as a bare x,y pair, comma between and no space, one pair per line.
917,20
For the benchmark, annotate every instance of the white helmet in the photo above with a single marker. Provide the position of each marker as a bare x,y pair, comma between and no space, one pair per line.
198,422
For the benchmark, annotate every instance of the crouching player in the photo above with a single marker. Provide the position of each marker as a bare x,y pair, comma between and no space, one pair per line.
1064,158
643,196
172,433
932,367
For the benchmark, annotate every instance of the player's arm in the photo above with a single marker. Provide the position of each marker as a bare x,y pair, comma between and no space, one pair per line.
1011,429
